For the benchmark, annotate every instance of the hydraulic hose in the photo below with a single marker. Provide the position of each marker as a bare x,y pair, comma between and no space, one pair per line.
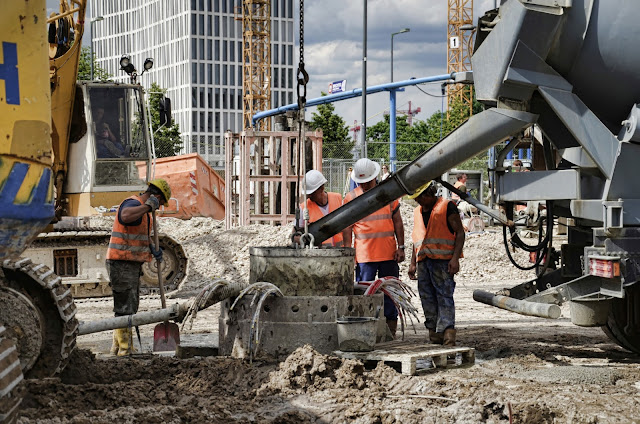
543,248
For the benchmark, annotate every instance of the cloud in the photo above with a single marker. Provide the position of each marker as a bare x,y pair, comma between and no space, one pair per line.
333,50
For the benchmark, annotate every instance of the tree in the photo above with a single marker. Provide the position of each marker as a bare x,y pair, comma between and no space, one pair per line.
410,142
167,140
336,142
84,67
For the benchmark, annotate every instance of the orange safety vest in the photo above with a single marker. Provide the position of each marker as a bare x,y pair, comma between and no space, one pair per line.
435,241
375,236
130,242
315,213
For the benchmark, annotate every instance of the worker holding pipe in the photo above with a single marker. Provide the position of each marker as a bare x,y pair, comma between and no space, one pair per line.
319,203
438,238
130,246
379,238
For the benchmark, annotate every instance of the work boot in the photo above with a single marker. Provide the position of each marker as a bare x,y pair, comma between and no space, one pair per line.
435,338
114,343
393,326
449,337
124,341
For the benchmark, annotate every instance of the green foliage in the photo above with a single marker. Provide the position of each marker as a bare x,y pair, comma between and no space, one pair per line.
409,145
167,139
84,67
415,140
336,142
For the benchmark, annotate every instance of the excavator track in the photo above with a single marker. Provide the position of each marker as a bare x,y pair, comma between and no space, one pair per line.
11,389
78,257
54,302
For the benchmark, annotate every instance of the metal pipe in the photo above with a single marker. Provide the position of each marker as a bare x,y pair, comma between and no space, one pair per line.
479,133
484,208
357,92
522,307
174,312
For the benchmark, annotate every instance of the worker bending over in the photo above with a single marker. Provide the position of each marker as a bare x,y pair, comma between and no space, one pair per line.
438,238
130,247
379,238
319,204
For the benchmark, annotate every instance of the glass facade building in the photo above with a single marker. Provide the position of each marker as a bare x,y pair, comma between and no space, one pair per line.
197,50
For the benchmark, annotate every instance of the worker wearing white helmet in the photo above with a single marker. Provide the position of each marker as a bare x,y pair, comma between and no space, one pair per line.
319,204
379,238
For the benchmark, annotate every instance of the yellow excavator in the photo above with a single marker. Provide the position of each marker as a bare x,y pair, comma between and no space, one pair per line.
68,150
102,153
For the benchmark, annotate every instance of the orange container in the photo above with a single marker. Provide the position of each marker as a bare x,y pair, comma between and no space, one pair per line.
196,188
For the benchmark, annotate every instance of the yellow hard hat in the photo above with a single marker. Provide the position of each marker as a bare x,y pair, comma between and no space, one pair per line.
163,186
419,191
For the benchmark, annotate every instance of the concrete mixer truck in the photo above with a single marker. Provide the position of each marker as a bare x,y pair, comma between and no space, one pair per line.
571,68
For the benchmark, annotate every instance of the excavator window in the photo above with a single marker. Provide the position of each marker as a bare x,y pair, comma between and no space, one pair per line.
118,127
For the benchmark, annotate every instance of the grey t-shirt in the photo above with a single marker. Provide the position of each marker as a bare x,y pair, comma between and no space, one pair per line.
324,209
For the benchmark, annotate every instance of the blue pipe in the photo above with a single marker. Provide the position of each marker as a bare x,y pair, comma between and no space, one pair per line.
351,94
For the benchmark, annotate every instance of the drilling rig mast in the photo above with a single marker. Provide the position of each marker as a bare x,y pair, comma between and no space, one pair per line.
256,54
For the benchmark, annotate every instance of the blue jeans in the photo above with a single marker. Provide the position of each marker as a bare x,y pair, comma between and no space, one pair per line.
368,272
436,287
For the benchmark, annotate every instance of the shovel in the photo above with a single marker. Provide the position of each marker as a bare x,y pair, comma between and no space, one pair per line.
166,335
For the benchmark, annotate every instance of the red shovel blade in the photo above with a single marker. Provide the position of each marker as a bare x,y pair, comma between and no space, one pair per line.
166,337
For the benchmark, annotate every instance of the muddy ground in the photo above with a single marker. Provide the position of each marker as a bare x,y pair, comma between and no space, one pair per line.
527,370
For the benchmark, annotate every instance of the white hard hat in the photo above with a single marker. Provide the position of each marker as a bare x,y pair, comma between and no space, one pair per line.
313,180
365,170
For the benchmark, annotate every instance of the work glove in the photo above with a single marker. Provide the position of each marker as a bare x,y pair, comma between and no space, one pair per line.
156,253
153,202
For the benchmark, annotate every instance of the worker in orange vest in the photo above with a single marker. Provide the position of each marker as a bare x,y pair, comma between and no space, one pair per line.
438,238
130,246
379,238
319,203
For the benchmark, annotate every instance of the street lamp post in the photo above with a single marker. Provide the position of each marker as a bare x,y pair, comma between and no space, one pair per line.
392,34
392,111
96,19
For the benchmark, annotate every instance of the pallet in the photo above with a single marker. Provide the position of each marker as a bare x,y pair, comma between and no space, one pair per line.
407,355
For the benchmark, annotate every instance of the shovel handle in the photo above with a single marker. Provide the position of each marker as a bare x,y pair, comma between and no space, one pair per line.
156,241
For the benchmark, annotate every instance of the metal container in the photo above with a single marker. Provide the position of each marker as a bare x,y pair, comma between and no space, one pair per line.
304,272
357,334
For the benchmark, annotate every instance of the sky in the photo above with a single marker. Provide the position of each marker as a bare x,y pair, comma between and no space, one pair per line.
333,35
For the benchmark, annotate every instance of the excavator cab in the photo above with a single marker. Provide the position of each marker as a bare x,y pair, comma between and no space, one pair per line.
111,160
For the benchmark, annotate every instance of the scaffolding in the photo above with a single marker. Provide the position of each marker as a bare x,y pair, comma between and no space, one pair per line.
256,55
460,31
262,172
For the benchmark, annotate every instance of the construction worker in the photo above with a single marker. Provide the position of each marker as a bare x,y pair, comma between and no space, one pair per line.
319,204
130,247
460,184
379,238
438,238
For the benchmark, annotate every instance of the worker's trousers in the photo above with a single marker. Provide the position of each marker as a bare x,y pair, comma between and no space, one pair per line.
436,287
124,279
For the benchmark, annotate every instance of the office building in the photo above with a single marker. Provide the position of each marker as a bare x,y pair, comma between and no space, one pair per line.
197,50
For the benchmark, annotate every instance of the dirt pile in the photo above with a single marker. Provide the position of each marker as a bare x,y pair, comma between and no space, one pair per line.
305,370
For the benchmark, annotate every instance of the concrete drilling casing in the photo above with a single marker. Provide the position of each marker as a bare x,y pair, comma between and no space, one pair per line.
287,323
304,272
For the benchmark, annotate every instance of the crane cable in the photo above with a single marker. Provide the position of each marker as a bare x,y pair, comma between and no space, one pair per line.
303,78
